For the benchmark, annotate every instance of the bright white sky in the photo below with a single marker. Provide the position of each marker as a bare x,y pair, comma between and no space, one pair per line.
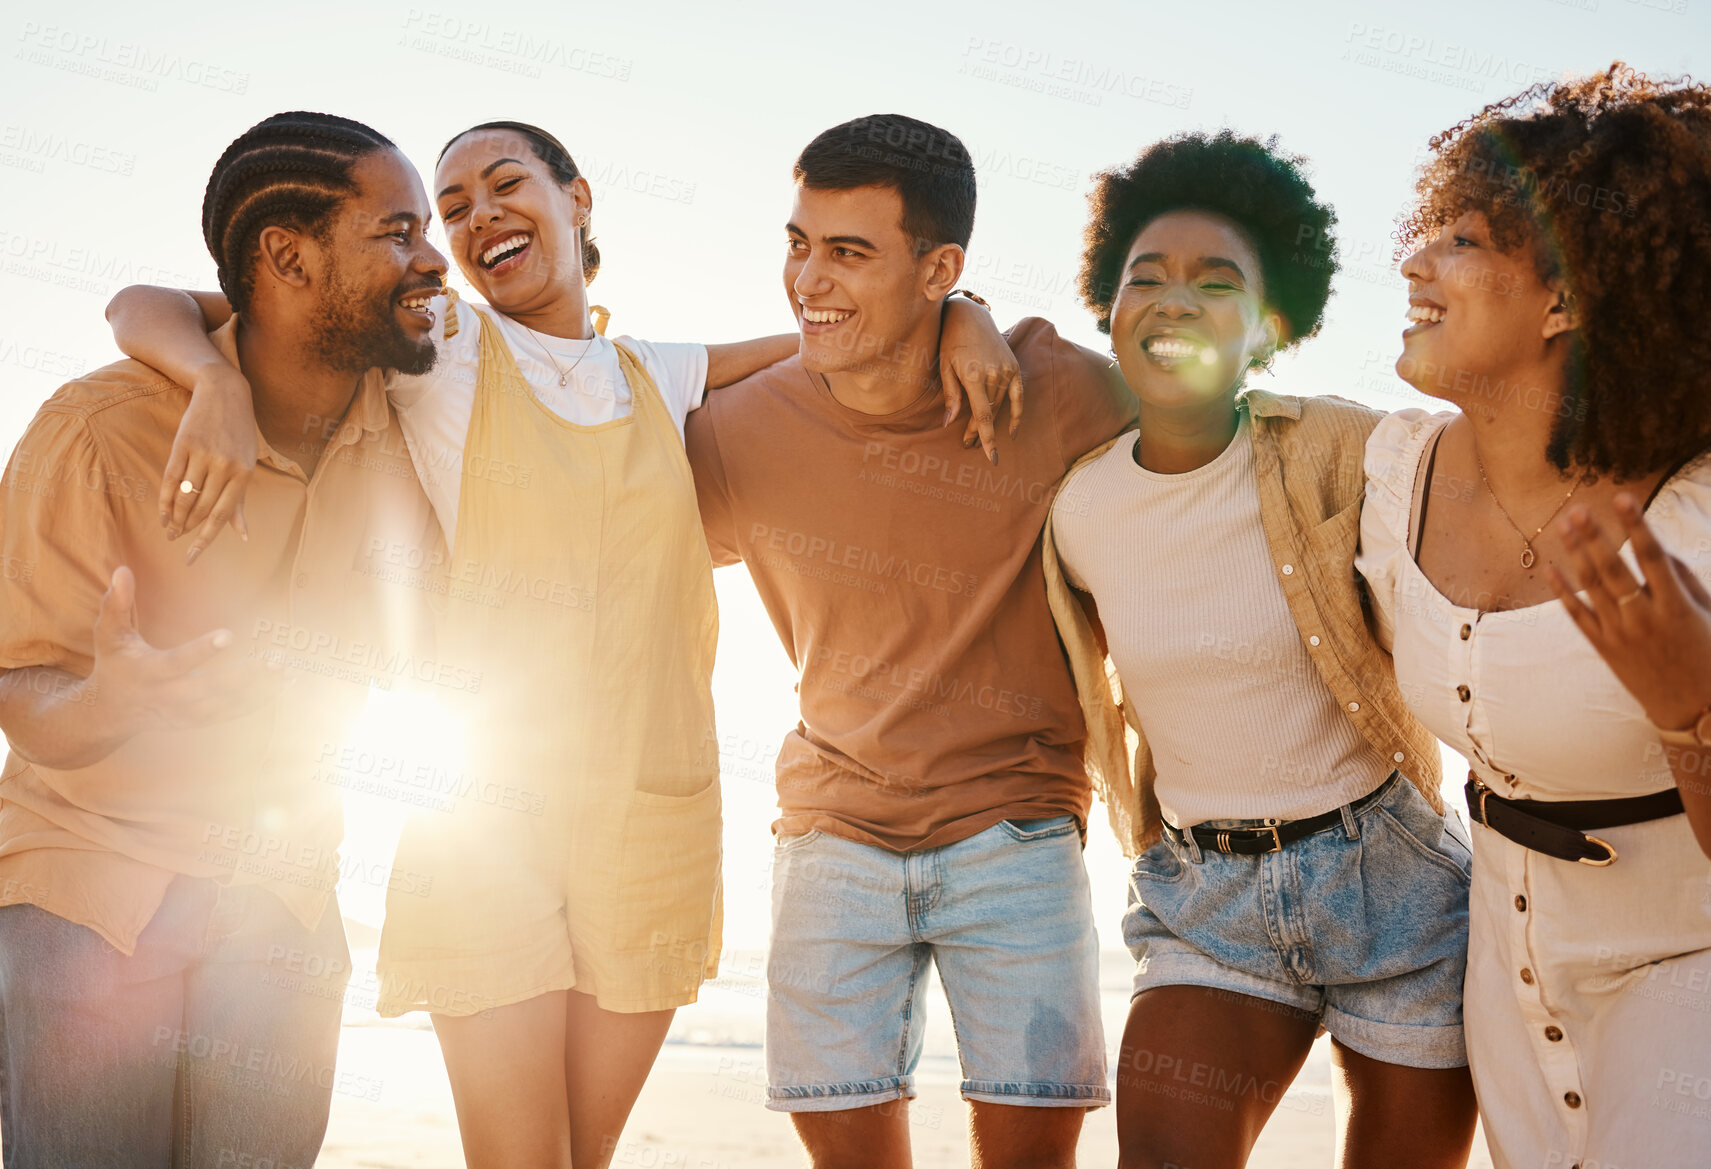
685,117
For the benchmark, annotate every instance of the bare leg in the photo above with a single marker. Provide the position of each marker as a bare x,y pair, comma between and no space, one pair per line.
607,1057
506,1068
1400,1117
1199,1074
875,1137
1015,1136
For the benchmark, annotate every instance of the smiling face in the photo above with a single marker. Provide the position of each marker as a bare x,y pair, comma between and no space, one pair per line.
1190,315
378,272
1477,316
859,292
510,225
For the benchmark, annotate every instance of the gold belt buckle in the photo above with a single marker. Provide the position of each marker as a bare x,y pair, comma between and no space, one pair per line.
1276,840
1479,786
1605,845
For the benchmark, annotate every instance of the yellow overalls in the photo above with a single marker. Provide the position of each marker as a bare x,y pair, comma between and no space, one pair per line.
579,843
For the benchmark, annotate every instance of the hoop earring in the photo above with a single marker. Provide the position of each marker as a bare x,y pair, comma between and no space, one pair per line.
1112,364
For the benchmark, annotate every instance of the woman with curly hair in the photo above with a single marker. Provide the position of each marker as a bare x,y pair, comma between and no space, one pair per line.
1558,297
1295,872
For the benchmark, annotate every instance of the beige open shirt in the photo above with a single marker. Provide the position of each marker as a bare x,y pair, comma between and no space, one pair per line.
1308,459
240,800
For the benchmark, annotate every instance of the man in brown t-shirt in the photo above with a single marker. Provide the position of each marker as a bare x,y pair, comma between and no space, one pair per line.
172,959
933,796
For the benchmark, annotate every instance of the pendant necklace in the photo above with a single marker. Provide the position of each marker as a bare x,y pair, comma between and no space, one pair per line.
563,374
1527,557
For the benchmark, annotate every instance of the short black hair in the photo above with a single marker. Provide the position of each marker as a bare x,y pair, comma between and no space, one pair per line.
291,170
559,164
929,168
1251,182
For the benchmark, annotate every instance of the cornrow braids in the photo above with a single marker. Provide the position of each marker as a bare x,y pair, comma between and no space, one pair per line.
290,170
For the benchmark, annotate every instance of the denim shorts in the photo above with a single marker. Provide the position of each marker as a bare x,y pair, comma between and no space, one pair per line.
1007,916
1364,924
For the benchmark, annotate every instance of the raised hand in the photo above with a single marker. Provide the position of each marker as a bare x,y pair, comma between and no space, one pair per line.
140,687
1655,636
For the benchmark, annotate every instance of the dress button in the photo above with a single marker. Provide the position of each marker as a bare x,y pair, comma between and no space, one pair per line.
1520,903
1572,1099
1553,1033
1314,640
1354,707
302,580
1527,976
1466,632
1463,693
1288,570
1398,757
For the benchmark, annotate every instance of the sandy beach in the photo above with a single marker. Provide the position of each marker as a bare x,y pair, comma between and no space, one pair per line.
703,1107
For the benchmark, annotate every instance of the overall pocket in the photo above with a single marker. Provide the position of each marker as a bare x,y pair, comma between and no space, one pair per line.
668,888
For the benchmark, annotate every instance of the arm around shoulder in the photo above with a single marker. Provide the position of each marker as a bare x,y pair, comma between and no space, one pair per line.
215,449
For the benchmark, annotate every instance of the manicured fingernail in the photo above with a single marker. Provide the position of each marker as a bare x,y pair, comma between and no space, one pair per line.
193,554
993,455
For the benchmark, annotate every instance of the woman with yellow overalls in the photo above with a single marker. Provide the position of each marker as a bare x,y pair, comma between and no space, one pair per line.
571,900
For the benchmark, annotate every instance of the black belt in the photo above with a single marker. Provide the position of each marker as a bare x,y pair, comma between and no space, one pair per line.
1271,838
1560,828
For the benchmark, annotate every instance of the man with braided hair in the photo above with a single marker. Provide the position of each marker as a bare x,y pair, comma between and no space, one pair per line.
172,958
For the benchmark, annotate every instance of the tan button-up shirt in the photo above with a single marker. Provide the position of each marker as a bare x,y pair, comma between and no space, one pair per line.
240,800
1308,461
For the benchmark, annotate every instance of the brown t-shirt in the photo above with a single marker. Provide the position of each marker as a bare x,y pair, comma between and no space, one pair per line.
903,575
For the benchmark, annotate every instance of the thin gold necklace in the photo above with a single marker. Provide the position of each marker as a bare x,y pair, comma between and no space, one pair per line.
563,374
1527,557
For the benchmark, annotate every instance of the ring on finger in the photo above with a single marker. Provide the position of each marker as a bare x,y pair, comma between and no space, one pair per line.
186,487
1625,599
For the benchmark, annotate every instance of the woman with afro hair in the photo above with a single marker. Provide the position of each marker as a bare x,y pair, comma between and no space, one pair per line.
1294,869
1558,296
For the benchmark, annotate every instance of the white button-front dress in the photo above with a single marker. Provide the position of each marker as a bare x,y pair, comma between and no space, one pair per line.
1588,995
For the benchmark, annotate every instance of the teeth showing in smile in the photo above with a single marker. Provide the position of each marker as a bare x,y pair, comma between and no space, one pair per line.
417,304
504,248
825,316
1175,349
1425,312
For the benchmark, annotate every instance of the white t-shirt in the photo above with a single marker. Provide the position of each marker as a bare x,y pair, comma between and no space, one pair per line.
1241,724
434,408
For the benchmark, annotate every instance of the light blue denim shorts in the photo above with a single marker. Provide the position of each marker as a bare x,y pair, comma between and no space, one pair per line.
1363,924
1007,916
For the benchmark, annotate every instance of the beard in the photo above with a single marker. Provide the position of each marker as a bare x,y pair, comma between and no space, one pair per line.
358,331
